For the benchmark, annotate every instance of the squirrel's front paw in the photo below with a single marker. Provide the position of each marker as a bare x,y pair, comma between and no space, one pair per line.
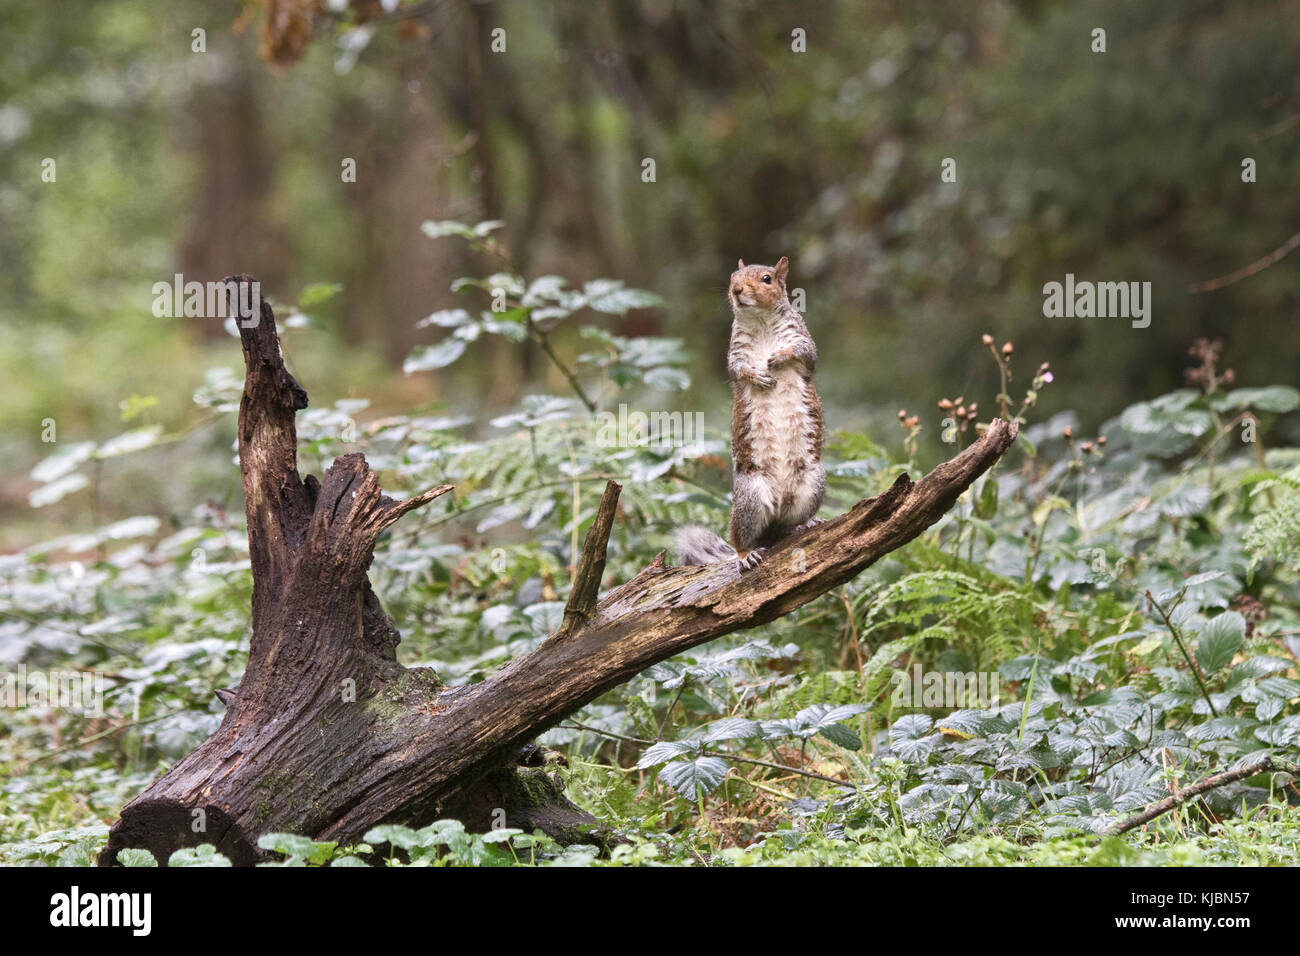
780,358
764,380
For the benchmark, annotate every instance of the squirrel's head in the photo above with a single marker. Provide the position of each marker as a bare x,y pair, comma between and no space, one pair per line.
758,287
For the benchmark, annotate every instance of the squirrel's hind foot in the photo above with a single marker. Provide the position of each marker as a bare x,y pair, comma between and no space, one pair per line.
751,560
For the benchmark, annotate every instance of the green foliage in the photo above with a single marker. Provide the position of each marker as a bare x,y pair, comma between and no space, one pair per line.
135,858
203,855
521,309
1130,605
1274,534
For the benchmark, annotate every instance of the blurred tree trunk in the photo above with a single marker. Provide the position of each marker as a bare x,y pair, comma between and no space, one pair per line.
392,274
225,137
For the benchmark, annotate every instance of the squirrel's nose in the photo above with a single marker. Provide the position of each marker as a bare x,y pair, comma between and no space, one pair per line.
736,290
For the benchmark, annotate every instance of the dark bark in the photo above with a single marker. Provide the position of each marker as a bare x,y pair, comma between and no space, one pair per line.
328,735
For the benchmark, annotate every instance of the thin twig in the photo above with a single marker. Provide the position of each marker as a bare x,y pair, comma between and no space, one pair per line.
1178,639
681,689
105,733
488,502
541,339
1198,788
1277,128
1245,272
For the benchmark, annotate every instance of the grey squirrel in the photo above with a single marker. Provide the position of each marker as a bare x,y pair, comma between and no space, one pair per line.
778,481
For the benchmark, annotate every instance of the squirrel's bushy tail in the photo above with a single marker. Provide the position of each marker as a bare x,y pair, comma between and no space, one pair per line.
698,545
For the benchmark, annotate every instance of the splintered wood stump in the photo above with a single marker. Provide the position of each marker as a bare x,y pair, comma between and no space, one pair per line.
328,735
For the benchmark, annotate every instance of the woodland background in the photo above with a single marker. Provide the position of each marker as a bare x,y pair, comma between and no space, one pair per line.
1117,166
1137,596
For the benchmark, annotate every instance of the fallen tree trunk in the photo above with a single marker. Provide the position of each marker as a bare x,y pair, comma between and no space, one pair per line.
328,735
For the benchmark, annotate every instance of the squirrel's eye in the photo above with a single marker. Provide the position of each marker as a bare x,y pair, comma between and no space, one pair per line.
767,279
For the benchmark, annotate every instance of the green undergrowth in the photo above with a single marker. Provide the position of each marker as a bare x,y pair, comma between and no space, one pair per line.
1098,624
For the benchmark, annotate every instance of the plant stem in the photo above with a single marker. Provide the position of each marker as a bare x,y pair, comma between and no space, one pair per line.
1178,639
541,339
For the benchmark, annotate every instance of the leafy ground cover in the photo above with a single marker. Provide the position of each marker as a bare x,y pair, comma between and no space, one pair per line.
1103,621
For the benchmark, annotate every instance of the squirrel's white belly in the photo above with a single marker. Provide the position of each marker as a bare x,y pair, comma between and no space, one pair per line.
781,434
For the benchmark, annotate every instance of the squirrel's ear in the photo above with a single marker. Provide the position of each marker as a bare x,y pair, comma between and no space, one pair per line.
740,263
782,268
